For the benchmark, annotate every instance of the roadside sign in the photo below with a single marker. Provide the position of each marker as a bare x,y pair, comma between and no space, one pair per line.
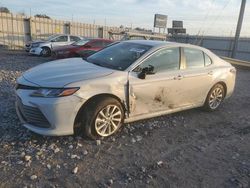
160,21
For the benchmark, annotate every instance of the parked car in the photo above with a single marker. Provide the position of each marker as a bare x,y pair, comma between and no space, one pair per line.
135,35
82,48
125,82
44,47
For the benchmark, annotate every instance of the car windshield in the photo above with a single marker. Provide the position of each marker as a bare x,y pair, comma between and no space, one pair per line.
80,42
119,56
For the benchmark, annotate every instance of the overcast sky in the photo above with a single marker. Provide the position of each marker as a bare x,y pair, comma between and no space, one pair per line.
208,17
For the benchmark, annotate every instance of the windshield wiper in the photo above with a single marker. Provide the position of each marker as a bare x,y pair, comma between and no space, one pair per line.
111,66
105,65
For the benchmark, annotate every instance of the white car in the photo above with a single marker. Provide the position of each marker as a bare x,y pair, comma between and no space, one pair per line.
125,82
44,47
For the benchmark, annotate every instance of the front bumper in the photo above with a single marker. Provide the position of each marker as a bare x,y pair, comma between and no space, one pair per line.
60,113
27,48
35,51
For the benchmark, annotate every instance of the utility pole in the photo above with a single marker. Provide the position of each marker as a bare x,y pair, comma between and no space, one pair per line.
239,25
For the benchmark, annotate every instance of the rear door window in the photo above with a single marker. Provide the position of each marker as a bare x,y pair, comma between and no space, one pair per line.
74,38
194,58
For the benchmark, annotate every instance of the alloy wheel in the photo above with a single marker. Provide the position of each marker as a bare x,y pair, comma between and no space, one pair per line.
45,52
108,120
215,98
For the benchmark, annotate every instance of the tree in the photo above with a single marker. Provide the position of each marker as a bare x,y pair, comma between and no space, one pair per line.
42,16
4,10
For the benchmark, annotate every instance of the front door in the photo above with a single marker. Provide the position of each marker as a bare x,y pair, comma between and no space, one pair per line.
159,91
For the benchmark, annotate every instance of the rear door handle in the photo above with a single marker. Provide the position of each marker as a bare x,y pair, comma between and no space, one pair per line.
179,77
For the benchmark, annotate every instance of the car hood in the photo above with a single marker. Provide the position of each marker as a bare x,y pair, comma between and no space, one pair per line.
62,72
37,41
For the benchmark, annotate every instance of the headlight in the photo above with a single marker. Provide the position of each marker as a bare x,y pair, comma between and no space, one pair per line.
48,92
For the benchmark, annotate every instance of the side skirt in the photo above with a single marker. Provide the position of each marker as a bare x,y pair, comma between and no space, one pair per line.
156,114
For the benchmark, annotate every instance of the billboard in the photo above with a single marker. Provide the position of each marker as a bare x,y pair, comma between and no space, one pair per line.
160,21
177,24
176,31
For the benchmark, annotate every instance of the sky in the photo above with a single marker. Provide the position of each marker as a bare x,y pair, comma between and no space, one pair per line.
203,17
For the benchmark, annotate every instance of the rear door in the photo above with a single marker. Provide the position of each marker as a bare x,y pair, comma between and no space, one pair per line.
196,78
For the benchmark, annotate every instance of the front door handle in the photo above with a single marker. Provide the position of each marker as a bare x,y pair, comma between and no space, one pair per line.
179,77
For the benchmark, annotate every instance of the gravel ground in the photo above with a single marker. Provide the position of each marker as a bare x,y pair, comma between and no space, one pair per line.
188,149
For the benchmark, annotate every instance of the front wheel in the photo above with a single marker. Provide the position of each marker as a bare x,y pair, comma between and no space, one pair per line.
103,118
215,97
45,52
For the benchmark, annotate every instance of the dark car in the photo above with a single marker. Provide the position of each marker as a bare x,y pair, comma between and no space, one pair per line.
82,48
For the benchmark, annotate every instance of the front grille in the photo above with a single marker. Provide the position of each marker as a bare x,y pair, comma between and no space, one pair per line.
20,86
32,115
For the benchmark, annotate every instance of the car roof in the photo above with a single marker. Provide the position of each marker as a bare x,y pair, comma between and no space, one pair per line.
154,43
99,39
55,35
158,44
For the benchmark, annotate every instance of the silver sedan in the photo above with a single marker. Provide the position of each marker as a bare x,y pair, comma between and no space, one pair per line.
125,82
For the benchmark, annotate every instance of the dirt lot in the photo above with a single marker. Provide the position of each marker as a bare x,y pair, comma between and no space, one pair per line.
188,149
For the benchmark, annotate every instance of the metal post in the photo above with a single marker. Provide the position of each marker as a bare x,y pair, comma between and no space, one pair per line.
12,33
27,29
3,30
239,25
100,32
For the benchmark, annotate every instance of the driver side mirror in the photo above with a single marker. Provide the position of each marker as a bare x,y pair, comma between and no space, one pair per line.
146,71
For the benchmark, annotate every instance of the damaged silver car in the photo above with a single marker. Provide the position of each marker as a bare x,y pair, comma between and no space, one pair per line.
125,82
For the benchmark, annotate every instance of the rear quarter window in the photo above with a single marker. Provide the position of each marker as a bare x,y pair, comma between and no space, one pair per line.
74,38
208,60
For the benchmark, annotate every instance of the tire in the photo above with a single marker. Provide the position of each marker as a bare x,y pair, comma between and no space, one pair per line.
46,52
98,122
54,55
215,97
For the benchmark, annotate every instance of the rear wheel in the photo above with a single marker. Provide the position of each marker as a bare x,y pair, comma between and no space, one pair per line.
215,97
45,52
103,118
